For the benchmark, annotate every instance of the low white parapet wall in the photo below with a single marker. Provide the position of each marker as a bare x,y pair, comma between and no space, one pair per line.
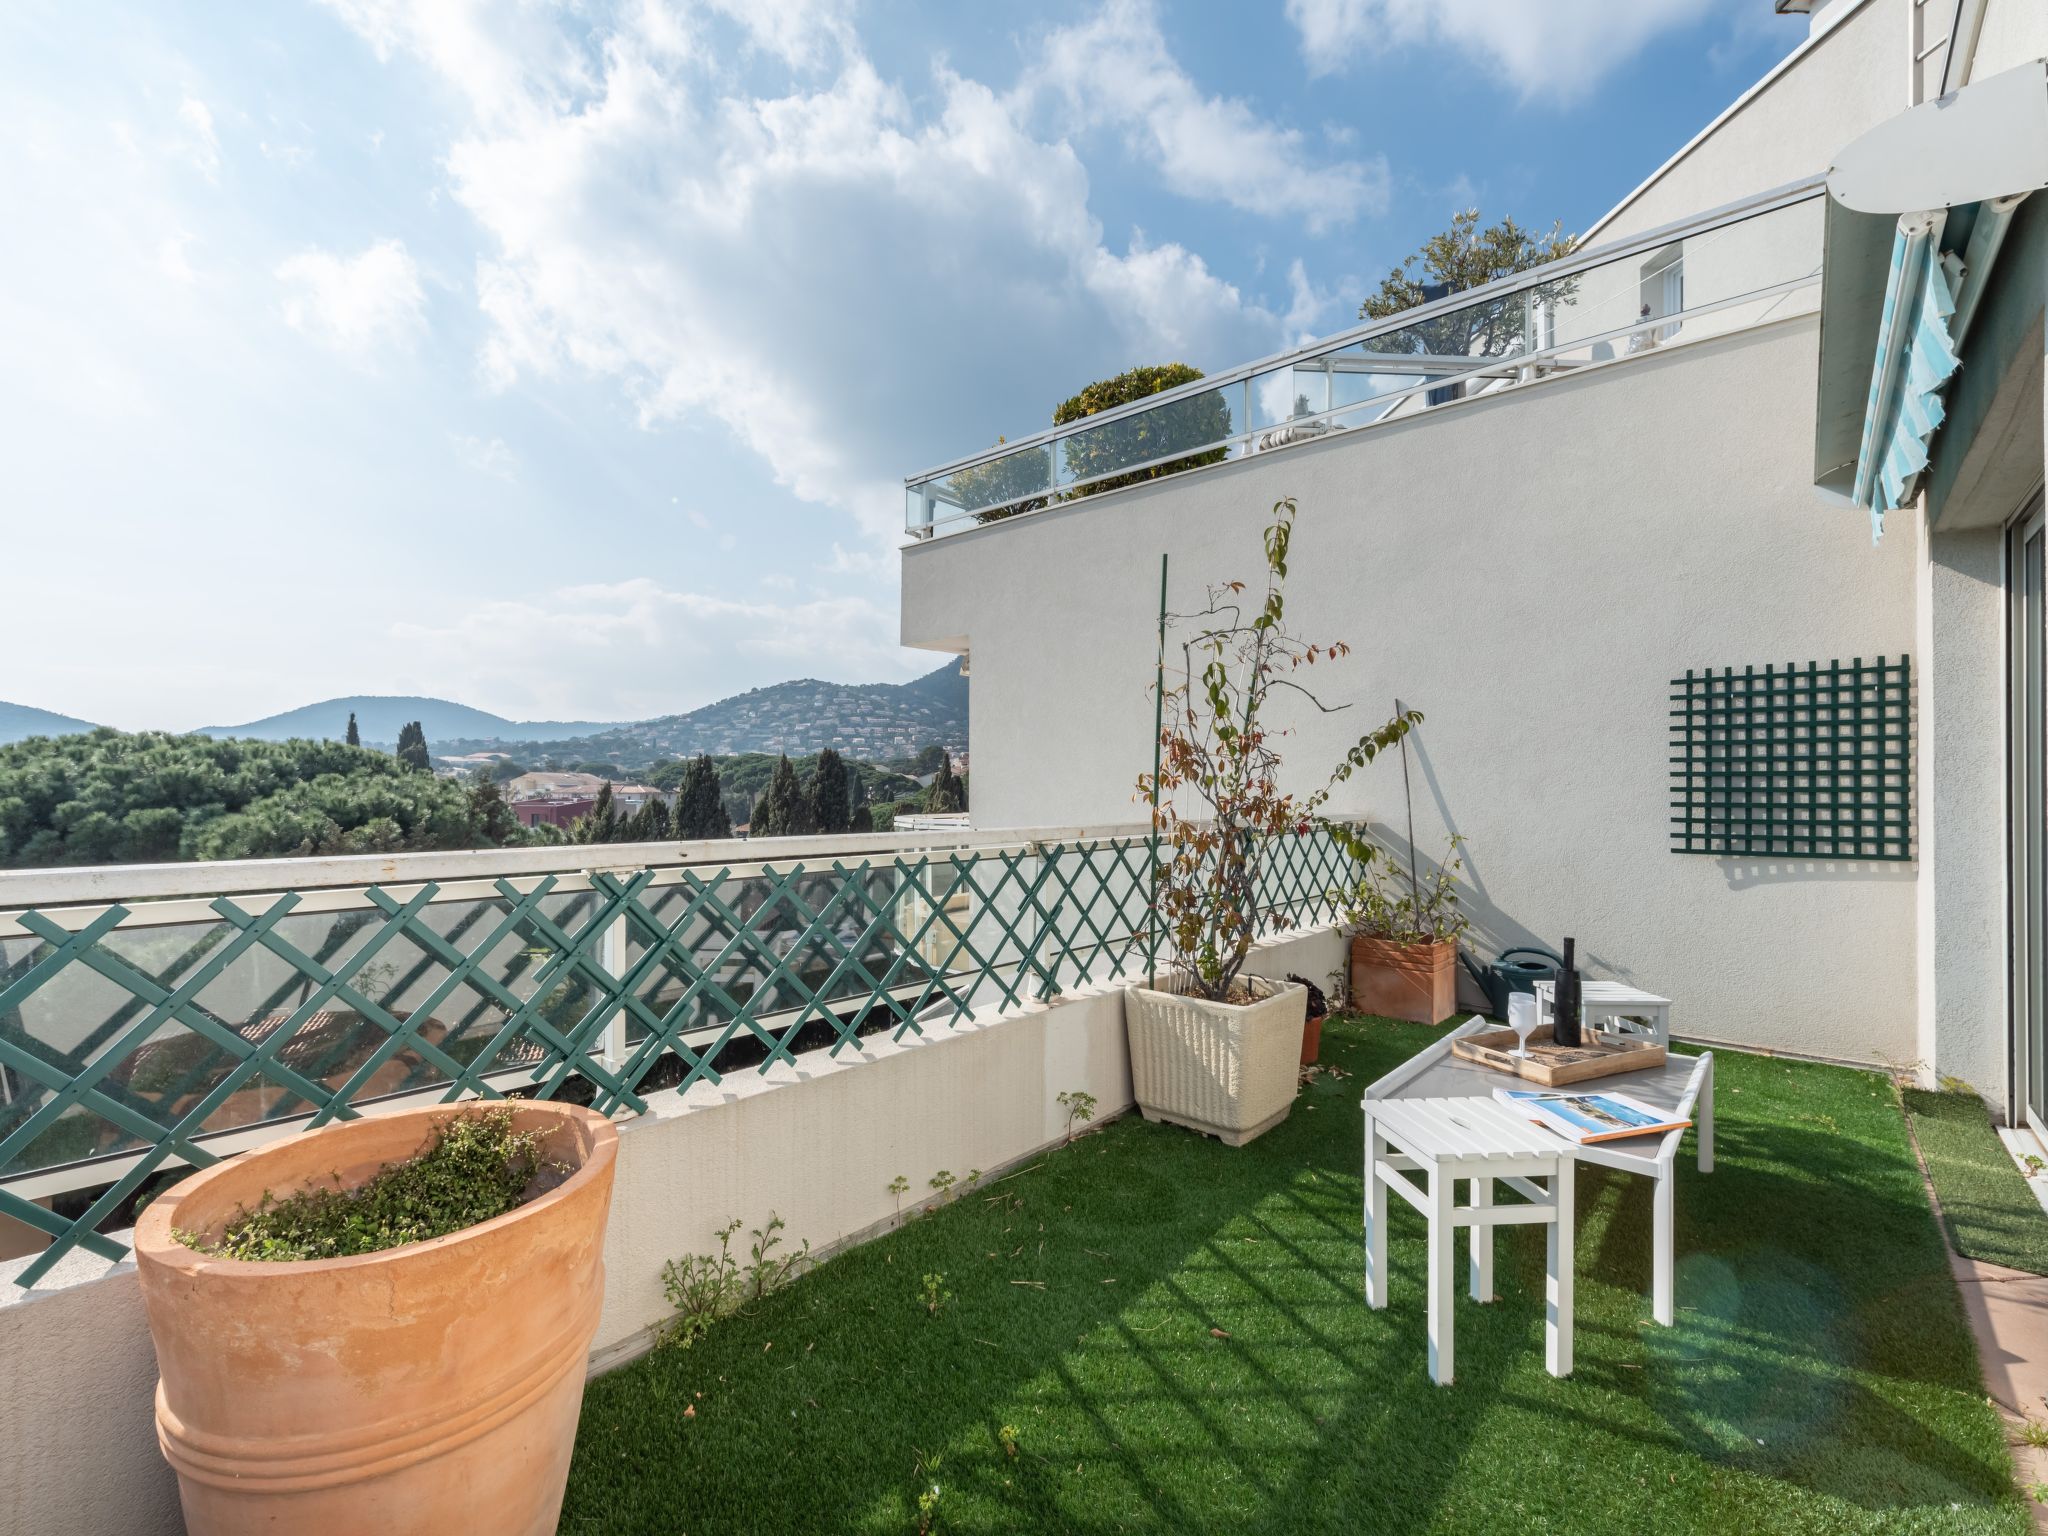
817,1142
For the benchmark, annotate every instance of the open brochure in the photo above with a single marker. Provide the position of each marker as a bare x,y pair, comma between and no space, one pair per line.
1588,1117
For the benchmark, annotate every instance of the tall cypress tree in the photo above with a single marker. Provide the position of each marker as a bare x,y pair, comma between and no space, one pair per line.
600,824
355,737
412,747
831,805
945,796
781,811
700,807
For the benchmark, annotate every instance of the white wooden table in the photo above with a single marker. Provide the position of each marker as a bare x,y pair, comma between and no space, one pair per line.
1683,1086
1610,1006
1472,1142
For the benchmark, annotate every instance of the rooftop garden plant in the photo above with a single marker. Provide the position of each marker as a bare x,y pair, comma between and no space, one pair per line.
1216,798
477,1167
1405,907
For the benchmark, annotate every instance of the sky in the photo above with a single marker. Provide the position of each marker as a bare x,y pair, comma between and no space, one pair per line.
566,357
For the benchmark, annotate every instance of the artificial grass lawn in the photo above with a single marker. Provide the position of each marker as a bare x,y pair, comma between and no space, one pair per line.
1190,1351
1991,1213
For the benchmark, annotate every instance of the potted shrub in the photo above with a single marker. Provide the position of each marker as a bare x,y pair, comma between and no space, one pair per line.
1404,940
382,1325
1212,1047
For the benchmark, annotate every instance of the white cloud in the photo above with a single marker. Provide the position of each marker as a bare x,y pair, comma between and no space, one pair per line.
1115,70
630,649
487,456
802,269
198,143
1559,49
354,303
171,259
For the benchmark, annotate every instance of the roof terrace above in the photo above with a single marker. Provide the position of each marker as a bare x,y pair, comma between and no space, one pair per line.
1751,262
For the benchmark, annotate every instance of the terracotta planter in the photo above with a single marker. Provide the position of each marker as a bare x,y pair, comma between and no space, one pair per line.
433,1387
1227,1070
1417,982
1312,1038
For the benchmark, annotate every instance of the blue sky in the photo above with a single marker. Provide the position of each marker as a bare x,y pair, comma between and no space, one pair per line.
566,358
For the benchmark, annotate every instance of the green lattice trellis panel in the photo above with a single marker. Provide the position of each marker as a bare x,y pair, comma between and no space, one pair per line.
536,986
1810,761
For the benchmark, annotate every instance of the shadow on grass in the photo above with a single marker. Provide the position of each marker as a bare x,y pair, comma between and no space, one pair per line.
1174,1335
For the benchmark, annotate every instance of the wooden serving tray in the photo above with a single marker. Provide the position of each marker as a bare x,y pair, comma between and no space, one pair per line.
1552,1066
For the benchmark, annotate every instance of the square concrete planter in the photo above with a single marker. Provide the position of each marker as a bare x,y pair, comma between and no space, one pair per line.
1227,1070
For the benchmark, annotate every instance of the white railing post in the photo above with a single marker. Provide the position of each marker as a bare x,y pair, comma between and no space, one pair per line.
613,1053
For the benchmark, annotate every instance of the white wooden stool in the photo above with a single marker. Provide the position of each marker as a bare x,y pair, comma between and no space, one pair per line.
1478,1140
1611,1007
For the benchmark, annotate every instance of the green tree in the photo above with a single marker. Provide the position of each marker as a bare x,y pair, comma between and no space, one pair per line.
1190,423
700,808
355,737
1464,257
649,824
412,747
830,798
599,824
492,817
781,811
945,797
147,797
862,820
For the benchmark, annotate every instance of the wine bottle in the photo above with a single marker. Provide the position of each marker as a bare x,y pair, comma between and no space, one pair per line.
1565,1002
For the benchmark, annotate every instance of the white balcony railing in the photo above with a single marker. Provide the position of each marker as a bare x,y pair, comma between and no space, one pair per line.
1747,264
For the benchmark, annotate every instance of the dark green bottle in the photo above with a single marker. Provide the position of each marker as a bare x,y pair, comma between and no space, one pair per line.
1566,1004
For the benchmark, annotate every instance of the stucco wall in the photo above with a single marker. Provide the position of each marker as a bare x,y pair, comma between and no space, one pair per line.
2013,32
1530,571
1852,77
816,1142
1963,940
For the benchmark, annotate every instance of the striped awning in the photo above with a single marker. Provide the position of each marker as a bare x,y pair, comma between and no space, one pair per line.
1916,357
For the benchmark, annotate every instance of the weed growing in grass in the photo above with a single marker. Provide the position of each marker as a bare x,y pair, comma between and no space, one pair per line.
923,1466
935,1293
2035,1433
942,1181
899,1187
2034,1165
1006,1437
703,1287
1079,1106
768,1273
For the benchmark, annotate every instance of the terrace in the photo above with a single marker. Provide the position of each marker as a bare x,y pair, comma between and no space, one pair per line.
1142,1329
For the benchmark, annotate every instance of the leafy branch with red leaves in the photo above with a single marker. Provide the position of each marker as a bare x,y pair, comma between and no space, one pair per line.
1217,801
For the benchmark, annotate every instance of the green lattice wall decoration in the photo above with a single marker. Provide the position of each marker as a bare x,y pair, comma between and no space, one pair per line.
1810,761
134,1038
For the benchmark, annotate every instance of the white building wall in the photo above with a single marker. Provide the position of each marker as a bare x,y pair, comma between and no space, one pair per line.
1962,792
2012,32
1853,74
1530,571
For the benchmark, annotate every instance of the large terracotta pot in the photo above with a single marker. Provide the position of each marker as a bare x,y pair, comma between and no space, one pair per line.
1417,982
1227,1070
433,1387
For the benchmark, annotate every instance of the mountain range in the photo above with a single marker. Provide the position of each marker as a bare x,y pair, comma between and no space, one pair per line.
379,717
871,721
20,720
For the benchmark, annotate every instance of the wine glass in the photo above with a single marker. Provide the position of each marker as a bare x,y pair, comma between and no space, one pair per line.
1522,1020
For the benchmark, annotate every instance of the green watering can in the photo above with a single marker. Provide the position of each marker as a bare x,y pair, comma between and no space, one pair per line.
1508,975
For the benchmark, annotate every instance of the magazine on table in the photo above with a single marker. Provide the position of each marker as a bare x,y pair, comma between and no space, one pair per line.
1589,1117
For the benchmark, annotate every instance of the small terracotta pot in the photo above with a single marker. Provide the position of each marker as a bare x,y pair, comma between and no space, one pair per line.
433,1387
1312,1039
1417,982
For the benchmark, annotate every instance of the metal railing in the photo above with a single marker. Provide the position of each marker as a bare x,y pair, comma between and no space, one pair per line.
158,1017
1737,267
